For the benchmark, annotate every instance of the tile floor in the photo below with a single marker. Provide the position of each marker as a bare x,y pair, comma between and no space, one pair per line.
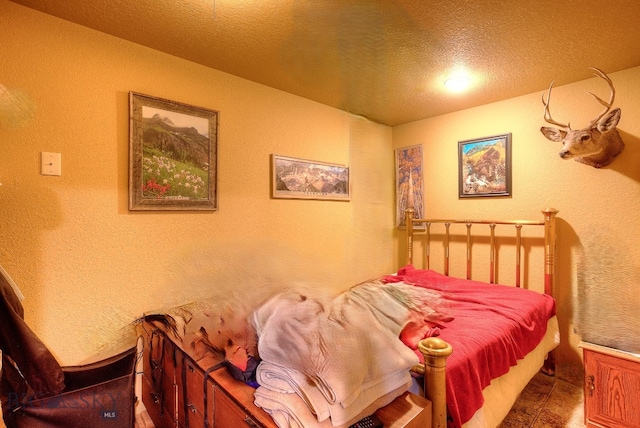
550,402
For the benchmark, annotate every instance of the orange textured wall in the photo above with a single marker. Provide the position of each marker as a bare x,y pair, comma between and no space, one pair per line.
88,266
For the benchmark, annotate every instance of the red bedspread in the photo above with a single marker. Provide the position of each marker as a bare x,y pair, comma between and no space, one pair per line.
493,327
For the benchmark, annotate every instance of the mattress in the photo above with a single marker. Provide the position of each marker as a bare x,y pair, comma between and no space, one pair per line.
500,395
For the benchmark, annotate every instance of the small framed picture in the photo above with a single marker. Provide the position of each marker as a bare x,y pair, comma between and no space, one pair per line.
293,178
484,167
172,155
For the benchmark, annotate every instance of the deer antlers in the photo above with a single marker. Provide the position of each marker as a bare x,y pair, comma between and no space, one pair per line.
607,105
547,113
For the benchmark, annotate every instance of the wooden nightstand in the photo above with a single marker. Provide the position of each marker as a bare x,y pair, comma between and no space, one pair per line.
611,387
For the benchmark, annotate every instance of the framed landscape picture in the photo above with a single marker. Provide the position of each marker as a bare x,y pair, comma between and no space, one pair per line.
172,155
293,178
484,167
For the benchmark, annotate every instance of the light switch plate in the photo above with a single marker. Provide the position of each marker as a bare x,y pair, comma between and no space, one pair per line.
51,163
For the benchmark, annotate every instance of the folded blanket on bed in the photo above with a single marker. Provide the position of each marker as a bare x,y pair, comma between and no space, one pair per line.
289,410
345,351
288,381
283,380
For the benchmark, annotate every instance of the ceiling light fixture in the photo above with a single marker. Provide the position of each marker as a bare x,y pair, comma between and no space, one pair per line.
457,83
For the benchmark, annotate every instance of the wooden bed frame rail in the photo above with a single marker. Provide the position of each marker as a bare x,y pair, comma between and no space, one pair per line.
436,350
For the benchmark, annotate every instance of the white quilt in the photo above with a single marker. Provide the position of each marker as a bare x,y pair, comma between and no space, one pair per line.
337,356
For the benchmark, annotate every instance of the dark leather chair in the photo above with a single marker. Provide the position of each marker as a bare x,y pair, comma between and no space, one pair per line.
36,392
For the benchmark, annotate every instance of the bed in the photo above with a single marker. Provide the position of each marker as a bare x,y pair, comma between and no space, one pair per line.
327,361
492,396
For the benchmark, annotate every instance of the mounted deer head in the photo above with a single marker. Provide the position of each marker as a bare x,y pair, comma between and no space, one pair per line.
598,143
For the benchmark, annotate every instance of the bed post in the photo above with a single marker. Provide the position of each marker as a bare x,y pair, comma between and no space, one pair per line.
435,352
549,249
408,215
550,214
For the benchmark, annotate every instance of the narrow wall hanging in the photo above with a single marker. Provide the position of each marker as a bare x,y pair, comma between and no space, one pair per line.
409,185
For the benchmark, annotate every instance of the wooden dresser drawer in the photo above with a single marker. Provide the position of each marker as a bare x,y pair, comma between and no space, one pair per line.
159,352
236,401
158,380
192,409
160,409
229,415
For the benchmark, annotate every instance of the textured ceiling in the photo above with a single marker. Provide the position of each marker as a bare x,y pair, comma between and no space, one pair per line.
382,59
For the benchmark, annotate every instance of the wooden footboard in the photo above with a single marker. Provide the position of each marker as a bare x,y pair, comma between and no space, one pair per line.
435,350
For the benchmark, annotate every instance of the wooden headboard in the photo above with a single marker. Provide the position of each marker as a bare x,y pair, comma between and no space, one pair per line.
435,350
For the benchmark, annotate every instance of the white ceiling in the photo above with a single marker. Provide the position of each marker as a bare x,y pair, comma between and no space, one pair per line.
382,59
